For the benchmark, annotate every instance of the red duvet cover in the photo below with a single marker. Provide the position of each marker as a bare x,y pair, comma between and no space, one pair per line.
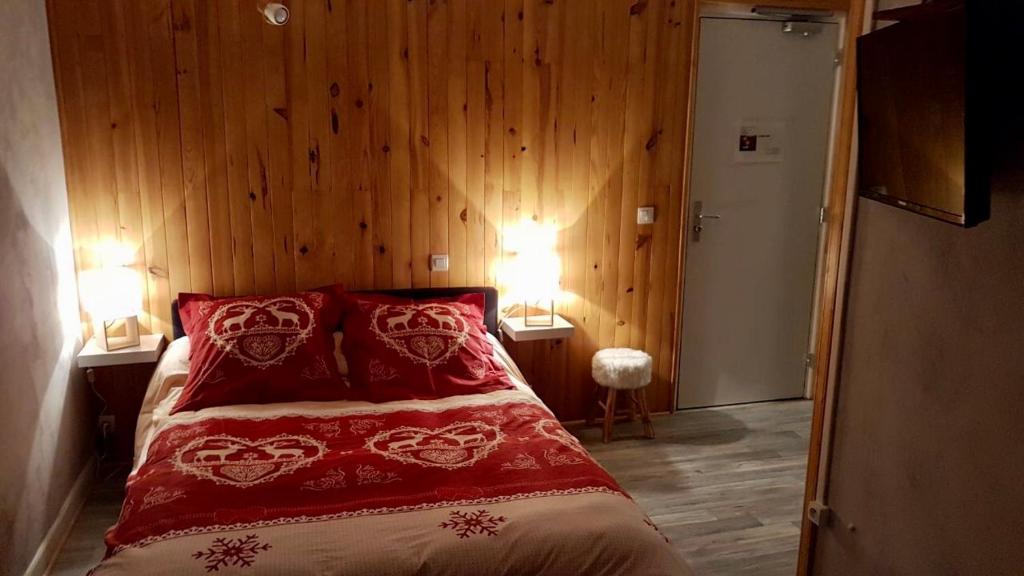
480,484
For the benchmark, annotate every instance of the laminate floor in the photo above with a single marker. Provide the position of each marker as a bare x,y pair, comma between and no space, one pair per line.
724,484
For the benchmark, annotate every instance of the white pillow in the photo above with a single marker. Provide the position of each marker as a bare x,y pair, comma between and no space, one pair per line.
339,356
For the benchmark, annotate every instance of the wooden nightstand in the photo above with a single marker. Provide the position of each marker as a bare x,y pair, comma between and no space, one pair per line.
536,350
120,378
518,331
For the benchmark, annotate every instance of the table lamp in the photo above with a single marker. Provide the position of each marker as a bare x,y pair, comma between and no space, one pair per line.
535,271
113,296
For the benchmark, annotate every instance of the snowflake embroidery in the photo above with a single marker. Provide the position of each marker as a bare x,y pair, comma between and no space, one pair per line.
494,415
521,462
556,459
524,411
553,430
466,524
316,371
205,307
231,552
176,436
367,474
160,495
364,425
326,429
380,372
334,479
477,369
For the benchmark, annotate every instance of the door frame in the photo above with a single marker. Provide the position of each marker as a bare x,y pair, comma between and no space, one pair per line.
850,14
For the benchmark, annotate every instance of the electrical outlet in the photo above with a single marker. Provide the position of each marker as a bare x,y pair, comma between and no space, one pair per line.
645,215
107,424
439,262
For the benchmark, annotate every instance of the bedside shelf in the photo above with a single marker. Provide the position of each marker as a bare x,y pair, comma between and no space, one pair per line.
148,351
518,331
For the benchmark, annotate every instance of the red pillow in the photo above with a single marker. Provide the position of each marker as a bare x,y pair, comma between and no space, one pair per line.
400,349
260,349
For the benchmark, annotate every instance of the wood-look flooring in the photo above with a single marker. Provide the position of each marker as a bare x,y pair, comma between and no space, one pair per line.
724,484
84,547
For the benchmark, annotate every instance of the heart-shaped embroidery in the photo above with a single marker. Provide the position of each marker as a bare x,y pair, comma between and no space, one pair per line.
454,446
553,430
426,334
246,473
262,347
429,347
263,332
241,462
445,456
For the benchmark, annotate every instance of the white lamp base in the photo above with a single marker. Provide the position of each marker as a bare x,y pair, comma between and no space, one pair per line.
107,342
546,320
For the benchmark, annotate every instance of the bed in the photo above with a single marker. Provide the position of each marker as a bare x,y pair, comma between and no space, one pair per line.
472,484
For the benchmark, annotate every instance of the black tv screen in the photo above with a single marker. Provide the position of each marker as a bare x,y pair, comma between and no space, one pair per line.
919,148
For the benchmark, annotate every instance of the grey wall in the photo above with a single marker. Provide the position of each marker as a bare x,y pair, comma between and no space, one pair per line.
928,461
929,436
44,404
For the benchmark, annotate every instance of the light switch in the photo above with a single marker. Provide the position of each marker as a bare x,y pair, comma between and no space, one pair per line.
645,215
439,262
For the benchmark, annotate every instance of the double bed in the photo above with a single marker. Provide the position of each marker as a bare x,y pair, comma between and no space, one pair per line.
485,483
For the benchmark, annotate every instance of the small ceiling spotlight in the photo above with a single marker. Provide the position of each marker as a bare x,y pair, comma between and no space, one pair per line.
276,14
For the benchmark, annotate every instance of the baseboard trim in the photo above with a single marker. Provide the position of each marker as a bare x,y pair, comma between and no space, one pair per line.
58,533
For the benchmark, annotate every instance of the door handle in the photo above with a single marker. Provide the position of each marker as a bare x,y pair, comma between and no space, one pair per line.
698,219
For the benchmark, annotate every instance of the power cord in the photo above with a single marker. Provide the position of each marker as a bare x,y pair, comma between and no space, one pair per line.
509,312
104,427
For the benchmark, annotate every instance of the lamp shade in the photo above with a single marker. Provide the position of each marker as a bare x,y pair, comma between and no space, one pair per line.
535,270
535,276
111,293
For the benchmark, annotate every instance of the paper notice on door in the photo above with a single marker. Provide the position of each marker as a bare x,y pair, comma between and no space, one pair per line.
759,141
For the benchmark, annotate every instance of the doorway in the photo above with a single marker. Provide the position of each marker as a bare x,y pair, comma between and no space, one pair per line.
763,107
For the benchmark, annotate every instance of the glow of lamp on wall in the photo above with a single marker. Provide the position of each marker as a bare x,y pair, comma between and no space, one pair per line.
112,295
535,269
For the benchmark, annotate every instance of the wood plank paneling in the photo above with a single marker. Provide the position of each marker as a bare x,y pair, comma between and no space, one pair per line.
419,141
260,204
348,145
236,152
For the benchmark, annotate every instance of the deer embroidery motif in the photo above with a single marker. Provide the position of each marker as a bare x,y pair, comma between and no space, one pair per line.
460,436
402,320
221,453
283,315
443,320
274,450
238,322
411,442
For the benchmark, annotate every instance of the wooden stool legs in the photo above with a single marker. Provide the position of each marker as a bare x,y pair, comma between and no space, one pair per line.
595,404
609,414
645,413
637,400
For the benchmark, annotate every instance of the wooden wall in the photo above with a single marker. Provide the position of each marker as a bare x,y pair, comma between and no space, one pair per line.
237,157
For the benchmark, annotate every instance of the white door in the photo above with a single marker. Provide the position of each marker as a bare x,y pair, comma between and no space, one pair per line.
763,108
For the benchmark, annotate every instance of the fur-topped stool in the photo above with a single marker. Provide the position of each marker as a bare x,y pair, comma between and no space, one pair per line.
623,369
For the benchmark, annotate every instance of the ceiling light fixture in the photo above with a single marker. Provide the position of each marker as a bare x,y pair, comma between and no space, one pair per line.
276,14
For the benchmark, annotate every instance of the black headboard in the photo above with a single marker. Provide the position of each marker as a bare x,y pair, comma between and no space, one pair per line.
490,302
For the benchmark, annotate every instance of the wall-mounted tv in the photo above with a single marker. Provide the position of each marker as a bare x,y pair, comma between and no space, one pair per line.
921,140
